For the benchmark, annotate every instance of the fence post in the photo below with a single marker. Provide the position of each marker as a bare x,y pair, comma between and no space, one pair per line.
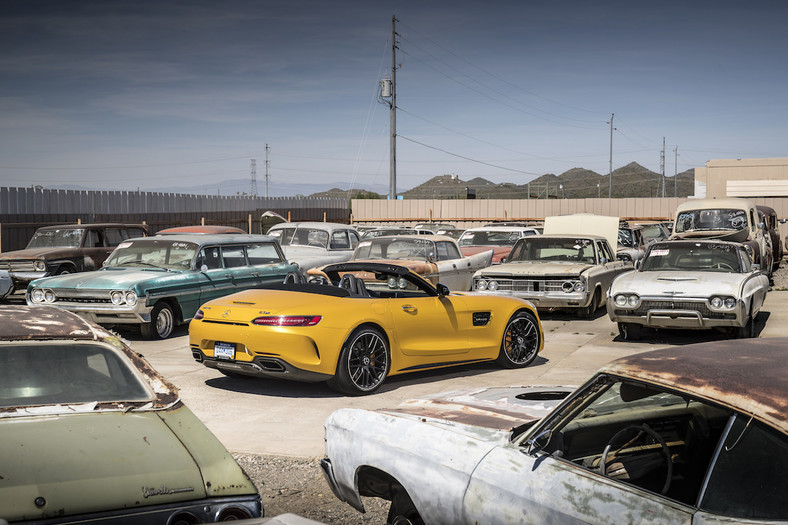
250,223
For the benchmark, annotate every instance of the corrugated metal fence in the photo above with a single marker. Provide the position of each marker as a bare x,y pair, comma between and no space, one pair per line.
23,210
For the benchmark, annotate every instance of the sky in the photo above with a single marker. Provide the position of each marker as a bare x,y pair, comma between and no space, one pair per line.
112,94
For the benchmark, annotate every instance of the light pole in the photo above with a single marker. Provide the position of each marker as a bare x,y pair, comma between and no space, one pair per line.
598,191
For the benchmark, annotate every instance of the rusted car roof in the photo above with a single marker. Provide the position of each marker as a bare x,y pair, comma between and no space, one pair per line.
48,323
200,229
746,375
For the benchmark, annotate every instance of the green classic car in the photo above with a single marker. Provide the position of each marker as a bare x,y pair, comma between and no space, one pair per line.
159,282
92,434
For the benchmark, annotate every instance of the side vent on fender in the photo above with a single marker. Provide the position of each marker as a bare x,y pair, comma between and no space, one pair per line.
481,318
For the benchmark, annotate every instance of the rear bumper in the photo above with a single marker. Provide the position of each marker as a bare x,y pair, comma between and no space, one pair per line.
260,367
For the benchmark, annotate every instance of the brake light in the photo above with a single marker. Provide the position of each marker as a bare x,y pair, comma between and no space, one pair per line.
288,320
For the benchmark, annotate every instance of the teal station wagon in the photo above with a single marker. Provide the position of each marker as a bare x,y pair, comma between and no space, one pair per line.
160,282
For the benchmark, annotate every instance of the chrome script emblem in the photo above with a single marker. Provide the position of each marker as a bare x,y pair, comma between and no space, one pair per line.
147,492
226,314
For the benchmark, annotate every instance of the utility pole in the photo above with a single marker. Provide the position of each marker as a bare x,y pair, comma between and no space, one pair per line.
393,113
253,174
266,171
662,167
610,181
676,171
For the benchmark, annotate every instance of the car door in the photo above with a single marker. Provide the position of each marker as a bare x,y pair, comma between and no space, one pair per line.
455,270
214,278
94,250
427,325
266,263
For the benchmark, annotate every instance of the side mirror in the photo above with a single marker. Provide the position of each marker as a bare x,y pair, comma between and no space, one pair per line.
538,442
204,268
637,264
503,260
442,289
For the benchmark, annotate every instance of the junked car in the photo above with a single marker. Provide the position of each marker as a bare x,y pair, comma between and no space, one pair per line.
371,320
6,284
771,223
435,257
312,244
67,248
692,284
631,242
92,434
729,219
159,282
555,272
499,238
690,434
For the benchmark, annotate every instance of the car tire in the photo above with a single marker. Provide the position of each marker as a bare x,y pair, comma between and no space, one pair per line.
629,331
402,510
520,341
589,311
363,363
747,331
162,322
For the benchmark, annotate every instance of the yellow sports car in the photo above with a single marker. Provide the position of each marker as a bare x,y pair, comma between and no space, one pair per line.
372,320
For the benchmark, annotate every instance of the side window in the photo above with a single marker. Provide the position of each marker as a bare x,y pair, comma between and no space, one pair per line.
211,257
447,251
339,241
93,239
132,233
748,480
262,254
233,256
354,239
114,236
603,252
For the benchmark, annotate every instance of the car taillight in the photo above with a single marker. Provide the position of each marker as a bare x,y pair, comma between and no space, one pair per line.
289,320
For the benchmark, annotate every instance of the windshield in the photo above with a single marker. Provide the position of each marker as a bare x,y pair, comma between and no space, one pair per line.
300,236
54,373
157,253
568,249
489,238
692,257
703,220
396,248
60,238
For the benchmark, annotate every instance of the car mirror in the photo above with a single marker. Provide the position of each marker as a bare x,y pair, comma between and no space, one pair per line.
204,268
442,289
637,264
602,260
503,260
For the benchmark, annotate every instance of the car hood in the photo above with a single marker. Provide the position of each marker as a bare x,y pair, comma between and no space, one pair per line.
499,252
104,279
34,253
498,408
722,235
690,284
561,269
91,462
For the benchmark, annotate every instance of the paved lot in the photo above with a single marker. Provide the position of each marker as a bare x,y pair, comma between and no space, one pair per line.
263,416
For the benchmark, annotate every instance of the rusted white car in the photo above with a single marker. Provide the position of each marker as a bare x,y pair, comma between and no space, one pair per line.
498,238
555,271
693,434
699,284
436,258
312,244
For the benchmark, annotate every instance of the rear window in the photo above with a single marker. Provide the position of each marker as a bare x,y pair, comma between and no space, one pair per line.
52,373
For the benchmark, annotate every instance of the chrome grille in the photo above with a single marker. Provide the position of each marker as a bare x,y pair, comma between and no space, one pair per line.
18,266
529,285
697,306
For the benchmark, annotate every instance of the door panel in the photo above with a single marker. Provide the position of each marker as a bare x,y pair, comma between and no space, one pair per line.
428,326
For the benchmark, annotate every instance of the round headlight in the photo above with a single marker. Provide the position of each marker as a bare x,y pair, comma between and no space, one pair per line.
49,296
579,286
493,286
116,298
633,300
481,284
621,300
402,283
716,302
131,298
730,302
39,266
567,286
392,282
37,295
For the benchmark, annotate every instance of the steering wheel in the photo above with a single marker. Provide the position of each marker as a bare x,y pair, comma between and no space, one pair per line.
651,432
723,266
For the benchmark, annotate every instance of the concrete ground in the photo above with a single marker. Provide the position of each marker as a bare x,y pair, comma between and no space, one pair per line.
266,416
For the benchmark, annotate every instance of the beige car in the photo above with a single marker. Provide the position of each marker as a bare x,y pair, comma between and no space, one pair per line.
555,272
730,219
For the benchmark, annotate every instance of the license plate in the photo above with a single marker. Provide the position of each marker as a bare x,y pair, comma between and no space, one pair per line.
223,350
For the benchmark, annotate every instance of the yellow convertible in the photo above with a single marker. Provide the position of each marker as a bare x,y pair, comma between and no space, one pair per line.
365,322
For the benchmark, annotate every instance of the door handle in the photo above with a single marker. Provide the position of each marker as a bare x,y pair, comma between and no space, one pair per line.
409,308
